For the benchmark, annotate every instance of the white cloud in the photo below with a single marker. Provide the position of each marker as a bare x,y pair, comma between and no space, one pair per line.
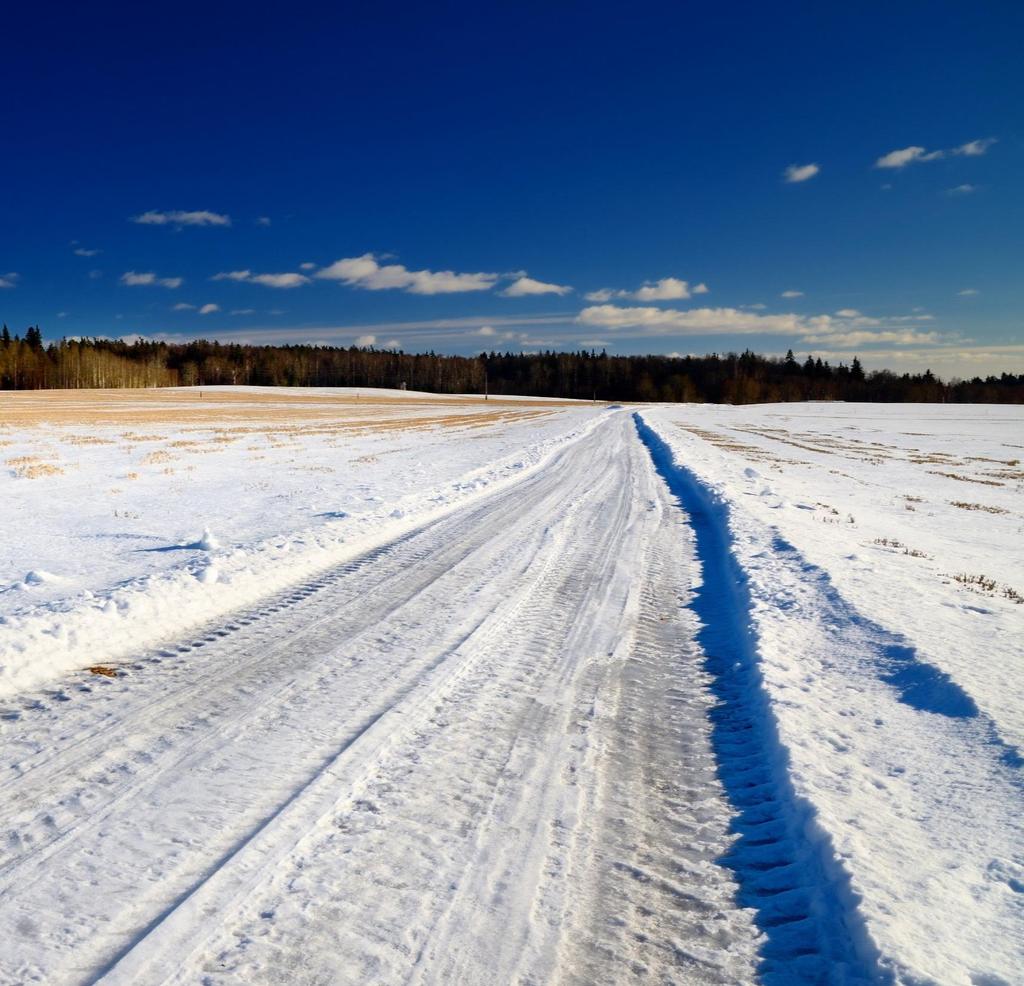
82,252
286,280
307,266
62,314
364,341
790,294
906,337
665,289
964,189
800,172
9,280
263,220
209,309
393,344
181,218
846,328
524,286
243,311
134,279
968,292
95,275
696,321
183,306
905,156
912,154
486,330
365,272
975,148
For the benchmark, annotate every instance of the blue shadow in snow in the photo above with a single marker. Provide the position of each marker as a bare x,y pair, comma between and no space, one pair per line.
918,684
784,863
887,656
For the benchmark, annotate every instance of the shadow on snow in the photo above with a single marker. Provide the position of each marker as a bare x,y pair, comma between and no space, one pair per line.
784,862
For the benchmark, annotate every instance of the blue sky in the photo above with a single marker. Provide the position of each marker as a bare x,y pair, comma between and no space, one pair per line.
839,179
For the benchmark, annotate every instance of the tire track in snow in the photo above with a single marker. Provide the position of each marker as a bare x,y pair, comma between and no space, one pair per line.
449,545
463,856
363,603
784,860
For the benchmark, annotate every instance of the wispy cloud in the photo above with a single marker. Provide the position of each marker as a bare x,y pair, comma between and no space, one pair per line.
905,156
433,331
525,286
848,327
696,321
182,218
968,292
862,337
9,280
796,173
914,154
365,272
149,279
243,311
82,252
286,280
975,148
790,294
964,189
209,309
263,220
183,306
665,289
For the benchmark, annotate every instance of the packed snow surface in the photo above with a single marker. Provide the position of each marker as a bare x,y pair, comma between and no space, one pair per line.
348,687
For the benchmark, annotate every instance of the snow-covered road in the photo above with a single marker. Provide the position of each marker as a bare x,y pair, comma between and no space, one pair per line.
587,719
478,753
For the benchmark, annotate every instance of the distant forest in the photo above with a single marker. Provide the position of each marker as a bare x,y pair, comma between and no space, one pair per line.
26,363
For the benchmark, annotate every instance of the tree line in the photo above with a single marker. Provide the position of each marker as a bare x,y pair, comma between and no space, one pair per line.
27,363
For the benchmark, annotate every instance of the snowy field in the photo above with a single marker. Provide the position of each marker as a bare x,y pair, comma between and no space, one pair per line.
306,686
135,513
